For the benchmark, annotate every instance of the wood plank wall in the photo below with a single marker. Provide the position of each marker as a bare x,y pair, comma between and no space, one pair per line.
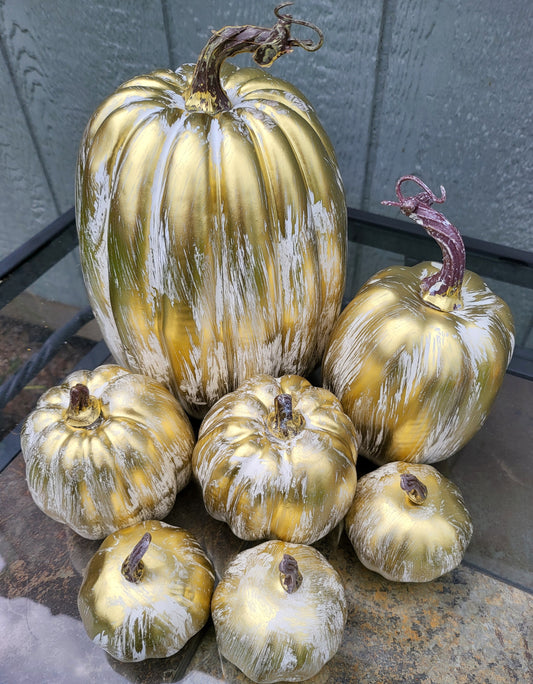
440,88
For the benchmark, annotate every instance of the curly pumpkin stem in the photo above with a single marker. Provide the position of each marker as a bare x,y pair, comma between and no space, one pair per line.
133,566
290,575
84,410
447,282
267,44
415,489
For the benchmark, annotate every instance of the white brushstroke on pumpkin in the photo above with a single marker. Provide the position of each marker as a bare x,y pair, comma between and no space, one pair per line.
144,431
166,621
207,372
251,619
380,546
364,337
94,224
248,468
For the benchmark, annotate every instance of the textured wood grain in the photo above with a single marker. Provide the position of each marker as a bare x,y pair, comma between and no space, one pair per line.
455,108
66,57
26,203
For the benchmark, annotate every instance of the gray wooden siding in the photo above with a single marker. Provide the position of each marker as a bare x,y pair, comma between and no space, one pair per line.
440,88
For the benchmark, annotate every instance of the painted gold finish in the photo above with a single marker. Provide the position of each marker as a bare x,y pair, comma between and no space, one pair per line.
156,608
105,449
419,354
272,634
212,222
276,459
402,535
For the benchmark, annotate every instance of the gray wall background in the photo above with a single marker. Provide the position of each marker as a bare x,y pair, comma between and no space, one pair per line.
440,88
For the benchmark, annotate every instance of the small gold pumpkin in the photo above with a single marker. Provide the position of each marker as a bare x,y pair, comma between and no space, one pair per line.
279,612
106,449
276,459
146,591
408,522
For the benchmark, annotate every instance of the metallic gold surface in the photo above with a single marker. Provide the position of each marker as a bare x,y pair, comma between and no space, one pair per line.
155,616
418,381
265,483
402,540
268,633
98,475
213,246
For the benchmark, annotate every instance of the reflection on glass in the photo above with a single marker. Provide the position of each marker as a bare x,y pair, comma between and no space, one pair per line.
39,646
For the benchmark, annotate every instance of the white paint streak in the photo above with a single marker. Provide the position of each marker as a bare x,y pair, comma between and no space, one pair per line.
290,319
297,488
271,635
417,382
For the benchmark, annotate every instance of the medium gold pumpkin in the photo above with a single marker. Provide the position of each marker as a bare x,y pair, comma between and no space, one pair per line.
419,354
408,522
279,612
276,458
146,591
105,449
212,221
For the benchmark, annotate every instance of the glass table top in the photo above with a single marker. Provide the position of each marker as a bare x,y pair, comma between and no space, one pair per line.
472,624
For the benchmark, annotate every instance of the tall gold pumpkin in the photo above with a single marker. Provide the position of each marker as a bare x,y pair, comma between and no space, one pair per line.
212,221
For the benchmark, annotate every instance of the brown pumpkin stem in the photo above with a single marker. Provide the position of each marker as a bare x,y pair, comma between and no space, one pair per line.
79,397
133,566
284,422
84,411
290,576
447,282
284,415
267,44
415,489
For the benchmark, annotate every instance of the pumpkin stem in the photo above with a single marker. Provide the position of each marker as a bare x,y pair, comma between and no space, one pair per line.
84,411
284,422
415,489
442,289
133,566
267,44
290,576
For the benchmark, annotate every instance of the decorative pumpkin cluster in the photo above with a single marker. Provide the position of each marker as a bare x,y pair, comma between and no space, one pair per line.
107,452
212,228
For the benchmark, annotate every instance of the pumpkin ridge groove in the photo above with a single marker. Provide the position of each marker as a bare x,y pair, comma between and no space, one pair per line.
286,210
221,329
161,226
127,274
313,184
274,218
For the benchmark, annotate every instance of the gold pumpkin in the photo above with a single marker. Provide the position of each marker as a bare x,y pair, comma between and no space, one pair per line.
276,459
279,612
146,591
419,354
408,522
212,221
105,449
